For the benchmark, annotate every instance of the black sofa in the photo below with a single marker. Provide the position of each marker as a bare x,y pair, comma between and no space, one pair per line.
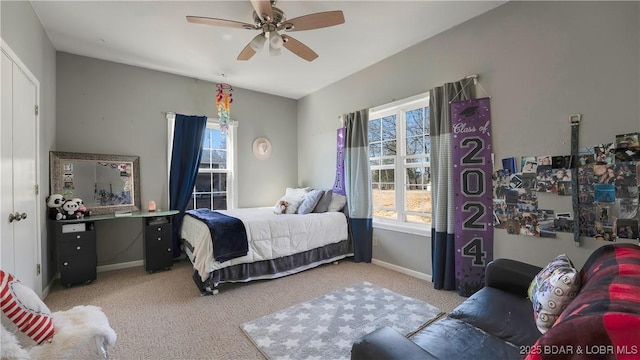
496,322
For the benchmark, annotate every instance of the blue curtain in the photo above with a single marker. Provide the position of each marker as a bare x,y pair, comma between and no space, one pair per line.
185,159
358,184
443,213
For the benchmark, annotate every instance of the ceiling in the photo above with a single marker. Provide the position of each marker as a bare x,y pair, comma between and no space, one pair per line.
155,35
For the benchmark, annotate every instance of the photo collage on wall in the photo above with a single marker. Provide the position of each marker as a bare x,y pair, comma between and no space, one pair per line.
608,192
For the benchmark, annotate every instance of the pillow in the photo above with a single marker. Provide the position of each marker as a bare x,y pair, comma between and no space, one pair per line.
297,193
23,310
310,201
292,204
294,197
323,203
555,286
337,202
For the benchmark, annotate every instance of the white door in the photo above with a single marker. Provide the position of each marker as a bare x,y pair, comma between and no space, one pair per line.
20,239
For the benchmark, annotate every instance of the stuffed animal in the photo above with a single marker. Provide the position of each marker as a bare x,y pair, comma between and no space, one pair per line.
69,209
281,207
82,209
54,203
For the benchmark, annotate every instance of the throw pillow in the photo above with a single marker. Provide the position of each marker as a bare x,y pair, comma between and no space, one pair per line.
297,193
555,286
23,310
310,201
337,202
292,205
323,204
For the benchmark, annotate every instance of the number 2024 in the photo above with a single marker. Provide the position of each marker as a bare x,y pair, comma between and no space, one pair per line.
473,186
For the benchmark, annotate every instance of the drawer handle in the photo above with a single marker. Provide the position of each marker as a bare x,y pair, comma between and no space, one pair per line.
77,247
159,238
77,236
169,249
65,263
160,229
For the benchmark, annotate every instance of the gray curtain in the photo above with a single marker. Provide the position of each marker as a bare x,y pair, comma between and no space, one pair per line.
358,183
442,193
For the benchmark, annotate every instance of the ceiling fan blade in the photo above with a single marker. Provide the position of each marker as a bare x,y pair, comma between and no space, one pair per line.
263,8
246,53
219,22
314,21
299,48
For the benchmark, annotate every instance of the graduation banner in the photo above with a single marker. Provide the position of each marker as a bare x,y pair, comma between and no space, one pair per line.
473,195
338,185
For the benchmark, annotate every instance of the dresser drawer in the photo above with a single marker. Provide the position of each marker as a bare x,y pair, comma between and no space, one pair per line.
73,248
77,237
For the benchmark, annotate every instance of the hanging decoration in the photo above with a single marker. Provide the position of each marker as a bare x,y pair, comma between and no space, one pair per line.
223,105
473,200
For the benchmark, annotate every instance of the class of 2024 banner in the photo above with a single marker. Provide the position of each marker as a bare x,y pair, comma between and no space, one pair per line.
473,194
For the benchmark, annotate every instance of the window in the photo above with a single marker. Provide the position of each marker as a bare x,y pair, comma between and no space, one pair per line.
399,158
210,190
215,182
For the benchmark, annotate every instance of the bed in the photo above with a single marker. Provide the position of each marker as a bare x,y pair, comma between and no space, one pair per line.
277,245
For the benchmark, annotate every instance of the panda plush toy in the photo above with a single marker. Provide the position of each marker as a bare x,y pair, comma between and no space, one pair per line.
69,210
82,209
54,203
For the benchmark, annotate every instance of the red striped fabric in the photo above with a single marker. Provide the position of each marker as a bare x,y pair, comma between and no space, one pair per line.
30,315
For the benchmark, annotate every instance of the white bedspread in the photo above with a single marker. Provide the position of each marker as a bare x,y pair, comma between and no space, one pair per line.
270,236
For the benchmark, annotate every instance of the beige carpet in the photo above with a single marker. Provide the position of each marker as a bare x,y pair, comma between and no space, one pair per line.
162,315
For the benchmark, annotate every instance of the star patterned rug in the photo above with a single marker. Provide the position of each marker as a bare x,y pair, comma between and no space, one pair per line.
325,328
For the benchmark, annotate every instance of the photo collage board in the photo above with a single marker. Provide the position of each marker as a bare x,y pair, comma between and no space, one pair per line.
608,192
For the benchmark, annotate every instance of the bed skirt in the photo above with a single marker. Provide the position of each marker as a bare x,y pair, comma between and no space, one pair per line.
271,269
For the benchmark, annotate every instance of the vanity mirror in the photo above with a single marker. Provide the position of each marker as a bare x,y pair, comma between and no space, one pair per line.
106,183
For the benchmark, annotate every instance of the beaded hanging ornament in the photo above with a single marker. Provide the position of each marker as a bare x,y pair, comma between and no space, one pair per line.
223,104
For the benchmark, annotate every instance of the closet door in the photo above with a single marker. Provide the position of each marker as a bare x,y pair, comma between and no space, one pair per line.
20,240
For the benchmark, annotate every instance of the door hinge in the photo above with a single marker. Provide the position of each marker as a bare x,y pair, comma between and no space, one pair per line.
37,189
37,110
38,269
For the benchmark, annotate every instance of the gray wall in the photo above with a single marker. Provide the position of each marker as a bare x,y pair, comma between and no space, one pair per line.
110,108
21,30
540,62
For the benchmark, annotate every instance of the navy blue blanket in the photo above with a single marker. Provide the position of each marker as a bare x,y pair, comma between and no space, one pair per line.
228,234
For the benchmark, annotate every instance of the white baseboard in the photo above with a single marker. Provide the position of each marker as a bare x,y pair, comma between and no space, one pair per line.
415,274
119,266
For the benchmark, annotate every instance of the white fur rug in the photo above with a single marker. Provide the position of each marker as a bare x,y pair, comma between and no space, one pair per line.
82,332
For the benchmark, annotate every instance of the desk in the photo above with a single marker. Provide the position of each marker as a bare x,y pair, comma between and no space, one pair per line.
75,242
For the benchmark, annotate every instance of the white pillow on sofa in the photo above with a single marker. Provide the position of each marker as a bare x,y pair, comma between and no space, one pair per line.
555,286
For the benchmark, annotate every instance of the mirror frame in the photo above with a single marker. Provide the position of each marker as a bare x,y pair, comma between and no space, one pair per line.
55,171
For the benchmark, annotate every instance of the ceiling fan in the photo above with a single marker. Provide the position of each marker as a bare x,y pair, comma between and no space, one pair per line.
270,20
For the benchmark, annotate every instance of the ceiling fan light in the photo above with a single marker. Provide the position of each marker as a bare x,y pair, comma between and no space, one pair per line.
258,42
275,40
274,52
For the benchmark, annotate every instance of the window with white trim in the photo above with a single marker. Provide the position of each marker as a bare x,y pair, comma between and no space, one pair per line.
399,159
212,189
216,181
